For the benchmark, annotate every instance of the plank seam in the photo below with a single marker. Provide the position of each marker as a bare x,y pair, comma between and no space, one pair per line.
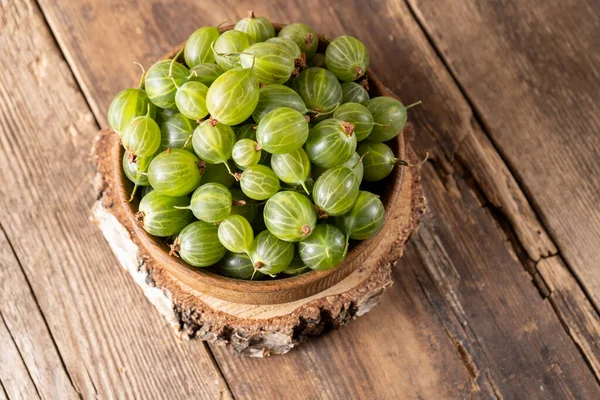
218,367
39,308
4,389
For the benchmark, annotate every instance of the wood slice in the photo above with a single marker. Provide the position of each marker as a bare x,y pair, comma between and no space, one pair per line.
255,330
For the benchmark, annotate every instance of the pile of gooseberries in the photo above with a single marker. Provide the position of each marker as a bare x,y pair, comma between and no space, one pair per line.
251,148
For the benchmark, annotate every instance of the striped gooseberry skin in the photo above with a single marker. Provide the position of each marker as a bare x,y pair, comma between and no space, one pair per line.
359,116
296,266
160,88
191,100
245,131
282,130
246,152
236,234
391,116
238,266
175,172
347,57
133,169
159,217
336,190
258,28
275,96
243,205
355,163
197,48
198,244
287,45
127,105
213,144
141,137
211,202
162,114
269,254
218,173
324,249
206,73
379,160
331,143
319,89
304,36
259,182
290,216
364,219
233,96
292,168
352,92
176,132
270,64
230,42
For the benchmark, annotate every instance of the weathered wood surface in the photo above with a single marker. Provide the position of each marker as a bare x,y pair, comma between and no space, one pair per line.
483,306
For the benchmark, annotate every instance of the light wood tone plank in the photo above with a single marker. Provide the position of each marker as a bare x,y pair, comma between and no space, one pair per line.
111,340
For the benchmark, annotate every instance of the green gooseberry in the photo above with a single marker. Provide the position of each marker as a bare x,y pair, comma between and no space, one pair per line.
269,254
191,100
233,96
160,82
364,219
305,189
296,266
146,190
135,170
213,143
290,216
378,160
211,202
198,46
206,73
245,131
258,28
162,114
198,244
331,143
347,57
335,191
141,137
304,36
355,163
269,63
175,172
324,249
390,117
275,96
287,45
176,132
282,130
352,92
235,233
228,46
243,205
259,182
318,60
246,152
218,173
319,89
238,266
359,116
127,105
292,168
159,217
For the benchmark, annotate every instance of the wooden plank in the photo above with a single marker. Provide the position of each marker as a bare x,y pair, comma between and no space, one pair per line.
535,87
112,342
461,152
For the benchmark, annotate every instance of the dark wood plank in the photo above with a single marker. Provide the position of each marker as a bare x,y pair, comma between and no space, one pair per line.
535,85
111,341
488,328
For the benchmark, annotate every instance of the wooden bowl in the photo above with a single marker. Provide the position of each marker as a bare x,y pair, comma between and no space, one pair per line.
276,291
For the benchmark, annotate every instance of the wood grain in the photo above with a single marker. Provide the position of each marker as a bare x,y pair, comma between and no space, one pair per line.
466,176
535,88
106,334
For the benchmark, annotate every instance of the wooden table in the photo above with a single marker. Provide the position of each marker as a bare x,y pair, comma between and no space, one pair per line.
497,295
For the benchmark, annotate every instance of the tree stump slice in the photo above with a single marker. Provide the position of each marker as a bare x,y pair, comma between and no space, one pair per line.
253,330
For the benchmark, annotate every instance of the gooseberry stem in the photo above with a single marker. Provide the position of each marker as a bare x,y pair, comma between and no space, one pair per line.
148,112
305,188
141,85
384,125
174,83
173,62
221,24
414,104
251,14
233,54
359,160
320,114
407,164
229,169
135,186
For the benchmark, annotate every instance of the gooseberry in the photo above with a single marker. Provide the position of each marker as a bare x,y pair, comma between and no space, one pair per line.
390,117
378,160
292,168
331,143
175,172
324,249
228,46
290,216
211,202
269,254
198,244
206,73
303,35
258,28
335,191
359,116
319,89
141,137
191,100
235,233
233,96
246,152
269,63
176,132
238,266
352,92
275,96
160,82
213,143
159,217
347,57
259,182
282,130
198,46
364,219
